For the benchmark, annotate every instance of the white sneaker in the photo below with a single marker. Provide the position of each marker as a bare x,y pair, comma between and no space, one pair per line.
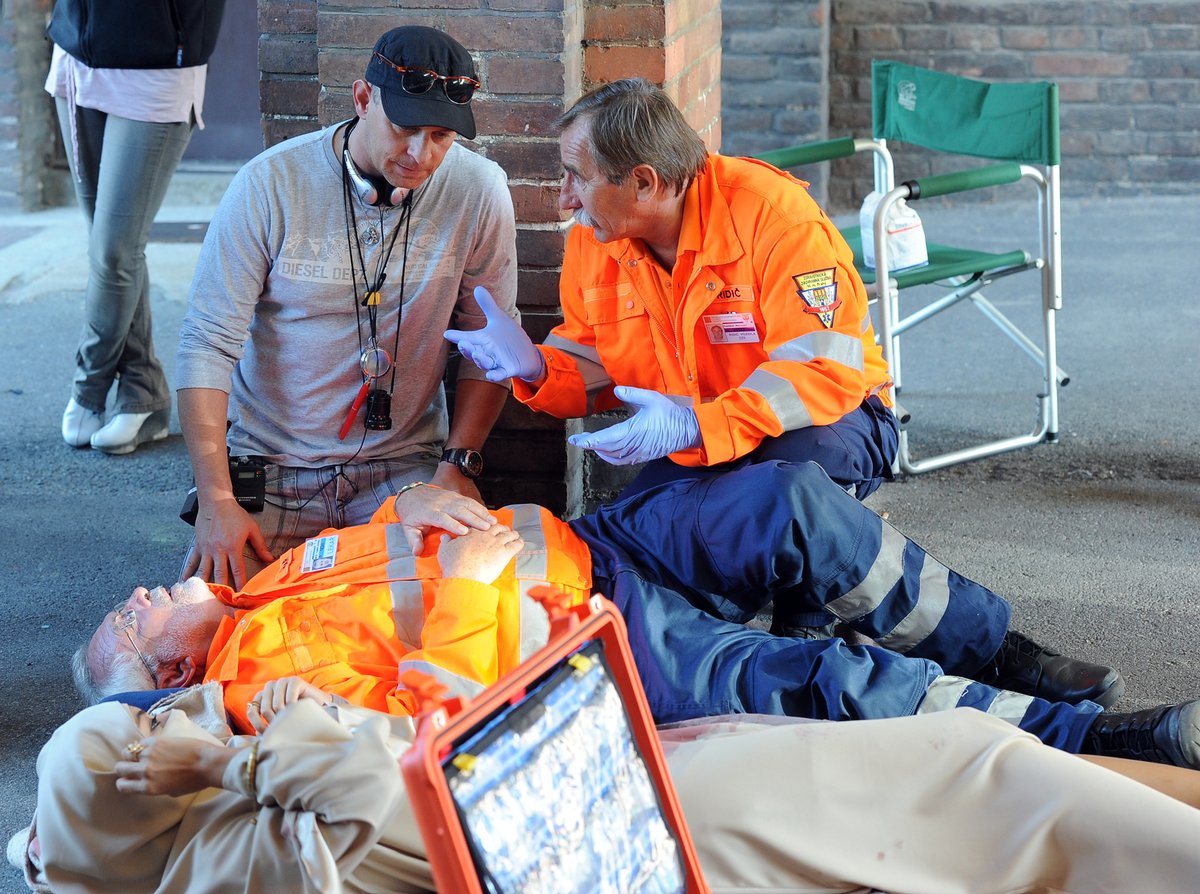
79,424
125,431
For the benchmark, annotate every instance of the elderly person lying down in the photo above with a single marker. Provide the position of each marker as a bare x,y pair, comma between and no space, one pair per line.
955,801
348,611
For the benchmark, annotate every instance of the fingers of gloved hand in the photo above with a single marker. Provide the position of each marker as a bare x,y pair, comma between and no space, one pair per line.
488,304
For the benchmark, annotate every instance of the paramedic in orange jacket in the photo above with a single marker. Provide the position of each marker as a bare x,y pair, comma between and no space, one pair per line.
711,295
686,564
350,609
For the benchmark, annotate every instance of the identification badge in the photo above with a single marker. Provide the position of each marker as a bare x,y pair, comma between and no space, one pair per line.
730,329
320,554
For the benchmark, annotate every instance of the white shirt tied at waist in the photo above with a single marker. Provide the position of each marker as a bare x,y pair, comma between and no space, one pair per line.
156,95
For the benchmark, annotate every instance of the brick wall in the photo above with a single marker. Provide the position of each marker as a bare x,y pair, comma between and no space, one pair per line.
29,178
1128,74
774,68
287,61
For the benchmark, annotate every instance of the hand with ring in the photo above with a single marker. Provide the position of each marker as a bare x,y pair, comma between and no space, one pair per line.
171,765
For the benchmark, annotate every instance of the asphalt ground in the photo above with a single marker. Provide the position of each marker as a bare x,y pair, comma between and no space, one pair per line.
1093,539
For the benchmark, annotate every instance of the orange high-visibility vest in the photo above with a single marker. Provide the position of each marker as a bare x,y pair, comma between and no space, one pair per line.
763,321
371,609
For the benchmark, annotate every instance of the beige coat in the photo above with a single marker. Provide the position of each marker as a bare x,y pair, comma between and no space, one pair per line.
935,804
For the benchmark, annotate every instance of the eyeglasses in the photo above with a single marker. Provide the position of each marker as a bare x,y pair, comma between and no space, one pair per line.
458,88
123,620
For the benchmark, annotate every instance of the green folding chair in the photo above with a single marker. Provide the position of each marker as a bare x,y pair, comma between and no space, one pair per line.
1014,126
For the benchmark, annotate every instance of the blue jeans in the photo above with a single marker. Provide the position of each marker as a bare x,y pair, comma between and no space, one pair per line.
301,503
121,177
689,562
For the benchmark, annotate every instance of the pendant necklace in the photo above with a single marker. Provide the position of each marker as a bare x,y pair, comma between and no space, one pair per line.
374,361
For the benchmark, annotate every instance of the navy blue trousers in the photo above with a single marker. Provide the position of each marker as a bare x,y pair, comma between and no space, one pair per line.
690,561
857,452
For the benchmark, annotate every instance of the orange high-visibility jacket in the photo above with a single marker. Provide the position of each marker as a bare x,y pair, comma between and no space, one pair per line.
763,322
352,627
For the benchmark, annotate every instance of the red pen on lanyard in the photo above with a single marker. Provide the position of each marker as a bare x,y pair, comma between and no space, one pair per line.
354,408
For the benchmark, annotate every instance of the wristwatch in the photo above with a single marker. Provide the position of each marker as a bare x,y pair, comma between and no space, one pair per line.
469,461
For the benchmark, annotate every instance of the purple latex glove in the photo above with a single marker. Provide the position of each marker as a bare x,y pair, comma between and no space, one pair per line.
501,348
663,423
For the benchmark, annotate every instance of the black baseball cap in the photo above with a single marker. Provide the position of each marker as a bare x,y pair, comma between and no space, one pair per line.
420,47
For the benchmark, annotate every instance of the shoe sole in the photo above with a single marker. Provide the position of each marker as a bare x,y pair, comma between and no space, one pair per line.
1109,696
142,438
1189,735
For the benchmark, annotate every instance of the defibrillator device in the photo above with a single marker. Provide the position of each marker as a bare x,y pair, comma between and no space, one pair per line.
553,780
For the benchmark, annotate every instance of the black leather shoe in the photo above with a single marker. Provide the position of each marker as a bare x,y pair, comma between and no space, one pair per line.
1024,666
1168,734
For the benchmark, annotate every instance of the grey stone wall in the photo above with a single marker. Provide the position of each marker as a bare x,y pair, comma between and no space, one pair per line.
774,70
1128,74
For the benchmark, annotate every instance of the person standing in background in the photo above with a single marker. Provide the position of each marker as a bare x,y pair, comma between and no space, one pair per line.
125,124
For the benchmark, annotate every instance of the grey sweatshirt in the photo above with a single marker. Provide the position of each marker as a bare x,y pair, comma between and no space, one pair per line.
271,313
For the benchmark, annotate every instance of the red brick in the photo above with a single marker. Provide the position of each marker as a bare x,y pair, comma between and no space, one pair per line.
685,47
526,159
526,5
626,23
535,203
680,13
1074,38
540,247
522,75
342,67
334,105
485,32
1018,38
1078,91
976,38
538,321
604,64
288,16
1079,65
276,130
287,55
537,287
290,96
508,116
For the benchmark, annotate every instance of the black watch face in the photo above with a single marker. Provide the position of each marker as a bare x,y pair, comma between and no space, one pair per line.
471,464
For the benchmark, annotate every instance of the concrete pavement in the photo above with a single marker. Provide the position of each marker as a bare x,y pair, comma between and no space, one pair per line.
1093,540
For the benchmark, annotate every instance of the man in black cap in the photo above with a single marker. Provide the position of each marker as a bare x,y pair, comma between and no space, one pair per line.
330,270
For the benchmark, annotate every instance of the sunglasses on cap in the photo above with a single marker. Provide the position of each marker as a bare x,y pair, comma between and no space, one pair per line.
458,88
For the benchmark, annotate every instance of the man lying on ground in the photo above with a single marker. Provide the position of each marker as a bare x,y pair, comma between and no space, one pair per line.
952,801
351,609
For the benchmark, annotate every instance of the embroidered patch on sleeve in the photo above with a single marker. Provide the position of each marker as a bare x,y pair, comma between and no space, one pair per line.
818,290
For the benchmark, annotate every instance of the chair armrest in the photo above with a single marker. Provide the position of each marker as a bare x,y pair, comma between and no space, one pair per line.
808,153
961,181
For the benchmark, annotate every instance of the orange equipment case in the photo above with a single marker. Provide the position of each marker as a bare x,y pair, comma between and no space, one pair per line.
445,726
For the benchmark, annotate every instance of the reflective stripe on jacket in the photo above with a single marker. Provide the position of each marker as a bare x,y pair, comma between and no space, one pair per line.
377,610
763,321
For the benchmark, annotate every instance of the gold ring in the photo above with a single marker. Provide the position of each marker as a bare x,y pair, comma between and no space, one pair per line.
134,750
255,705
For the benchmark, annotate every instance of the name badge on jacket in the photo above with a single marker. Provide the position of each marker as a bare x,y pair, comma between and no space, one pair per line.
730,328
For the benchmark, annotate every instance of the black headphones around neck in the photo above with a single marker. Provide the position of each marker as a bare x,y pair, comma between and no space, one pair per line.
371,190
